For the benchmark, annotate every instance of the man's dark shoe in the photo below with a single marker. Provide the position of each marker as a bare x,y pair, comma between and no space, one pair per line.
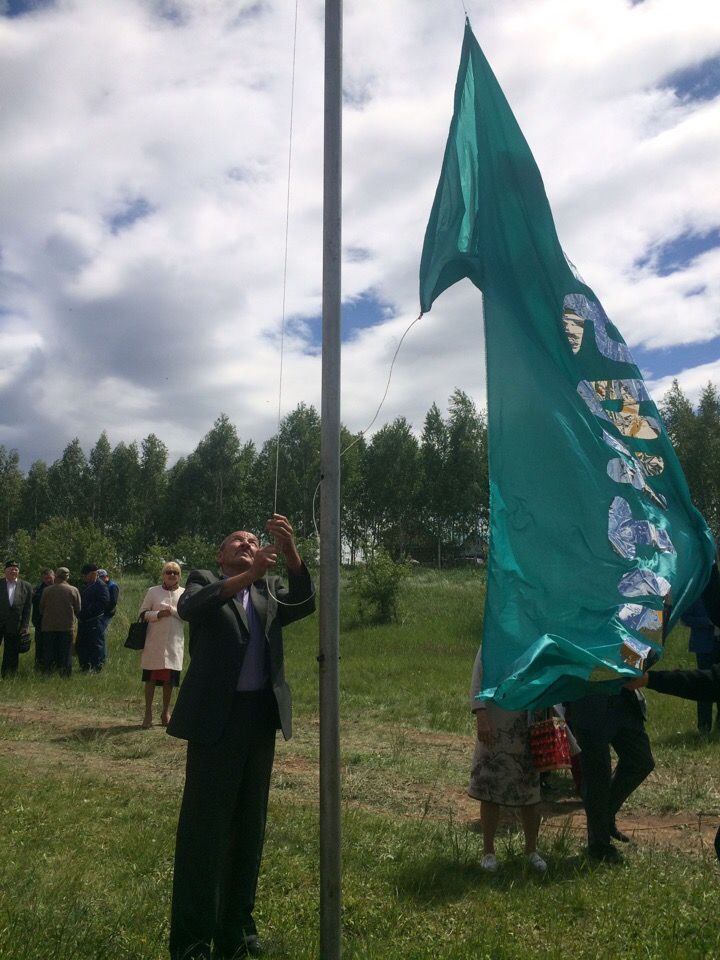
605,854
252,947
619,835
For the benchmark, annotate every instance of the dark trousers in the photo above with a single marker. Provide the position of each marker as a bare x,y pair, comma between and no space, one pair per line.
57,651
104,624
11,652
221,831
600,723
90,645
39,661
705,707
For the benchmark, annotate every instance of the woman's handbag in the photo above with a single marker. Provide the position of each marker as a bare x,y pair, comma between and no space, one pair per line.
549,744
24,643
137,633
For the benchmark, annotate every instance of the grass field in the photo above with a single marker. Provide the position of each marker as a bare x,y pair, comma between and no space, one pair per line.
89,804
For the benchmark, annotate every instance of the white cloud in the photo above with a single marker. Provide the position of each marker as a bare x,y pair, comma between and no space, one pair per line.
168,320
691,381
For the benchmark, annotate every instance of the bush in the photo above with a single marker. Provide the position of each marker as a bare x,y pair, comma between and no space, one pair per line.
64,543
378,585
195,553
154,560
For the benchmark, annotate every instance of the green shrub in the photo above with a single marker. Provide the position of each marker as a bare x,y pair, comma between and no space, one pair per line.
195,553
154,560
378,583
64,543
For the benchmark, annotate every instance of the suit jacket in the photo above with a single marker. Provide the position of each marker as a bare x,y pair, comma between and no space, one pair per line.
600,712
15,618
219,637
95,603
689,684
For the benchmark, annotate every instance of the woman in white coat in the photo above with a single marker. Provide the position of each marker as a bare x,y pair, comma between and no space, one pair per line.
162,657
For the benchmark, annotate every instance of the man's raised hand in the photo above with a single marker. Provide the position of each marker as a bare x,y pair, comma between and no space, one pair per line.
265,557
280,529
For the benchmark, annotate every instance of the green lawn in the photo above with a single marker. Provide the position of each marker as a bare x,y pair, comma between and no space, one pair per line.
89,803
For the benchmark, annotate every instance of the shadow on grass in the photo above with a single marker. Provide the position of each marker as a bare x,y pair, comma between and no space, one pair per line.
93,734
442,879
687,740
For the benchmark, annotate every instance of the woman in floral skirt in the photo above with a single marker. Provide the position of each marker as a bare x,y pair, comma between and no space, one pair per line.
503,773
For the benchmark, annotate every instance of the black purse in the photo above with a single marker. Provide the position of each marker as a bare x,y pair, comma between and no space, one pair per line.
137,633
24,643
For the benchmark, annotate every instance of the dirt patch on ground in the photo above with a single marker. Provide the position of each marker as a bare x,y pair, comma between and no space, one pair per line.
117,749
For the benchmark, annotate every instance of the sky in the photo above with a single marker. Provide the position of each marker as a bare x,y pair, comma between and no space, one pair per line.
143,189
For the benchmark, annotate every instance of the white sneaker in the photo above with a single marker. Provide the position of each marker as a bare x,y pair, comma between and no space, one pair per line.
489,863
537,862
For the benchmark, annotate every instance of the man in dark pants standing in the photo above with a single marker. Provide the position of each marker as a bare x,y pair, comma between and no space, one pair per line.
233,699
700,685
15,605
95,601
705,644
600,722
114,594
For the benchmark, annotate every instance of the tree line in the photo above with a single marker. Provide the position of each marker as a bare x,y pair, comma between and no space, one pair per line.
421,497
424,497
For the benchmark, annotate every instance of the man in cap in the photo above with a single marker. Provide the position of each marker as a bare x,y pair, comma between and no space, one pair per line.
94,604
114,591
15,606
59,606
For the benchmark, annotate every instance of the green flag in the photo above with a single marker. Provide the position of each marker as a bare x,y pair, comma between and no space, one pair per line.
591,523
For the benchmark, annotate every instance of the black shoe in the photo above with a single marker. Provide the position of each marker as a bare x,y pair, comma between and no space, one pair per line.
619,835
251,947
605,854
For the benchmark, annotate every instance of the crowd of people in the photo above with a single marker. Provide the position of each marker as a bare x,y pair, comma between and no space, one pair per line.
58,611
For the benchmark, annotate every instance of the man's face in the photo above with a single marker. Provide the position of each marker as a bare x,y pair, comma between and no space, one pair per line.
12,573
237,551
90,576
48,579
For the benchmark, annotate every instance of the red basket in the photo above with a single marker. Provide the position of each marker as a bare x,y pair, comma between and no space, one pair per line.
549,744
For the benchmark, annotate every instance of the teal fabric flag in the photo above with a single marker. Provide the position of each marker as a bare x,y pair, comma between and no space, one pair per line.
591,523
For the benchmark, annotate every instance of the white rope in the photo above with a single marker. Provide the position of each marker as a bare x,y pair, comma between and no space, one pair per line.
284,603
282,333
387,387
285,259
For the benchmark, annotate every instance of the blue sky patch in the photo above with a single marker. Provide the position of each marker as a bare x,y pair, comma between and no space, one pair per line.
698,82
676,254
355,254
16,8
134,210
365,311
669,361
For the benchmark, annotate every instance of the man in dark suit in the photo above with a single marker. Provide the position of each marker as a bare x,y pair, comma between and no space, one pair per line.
95,602
15,606
232,701
598,723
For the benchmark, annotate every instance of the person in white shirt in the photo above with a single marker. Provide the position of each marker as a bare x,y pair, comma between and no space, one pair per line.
15,607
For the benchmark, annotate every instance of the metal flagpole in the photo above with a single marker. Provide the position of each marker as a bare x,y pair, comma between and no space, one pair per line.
330,827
